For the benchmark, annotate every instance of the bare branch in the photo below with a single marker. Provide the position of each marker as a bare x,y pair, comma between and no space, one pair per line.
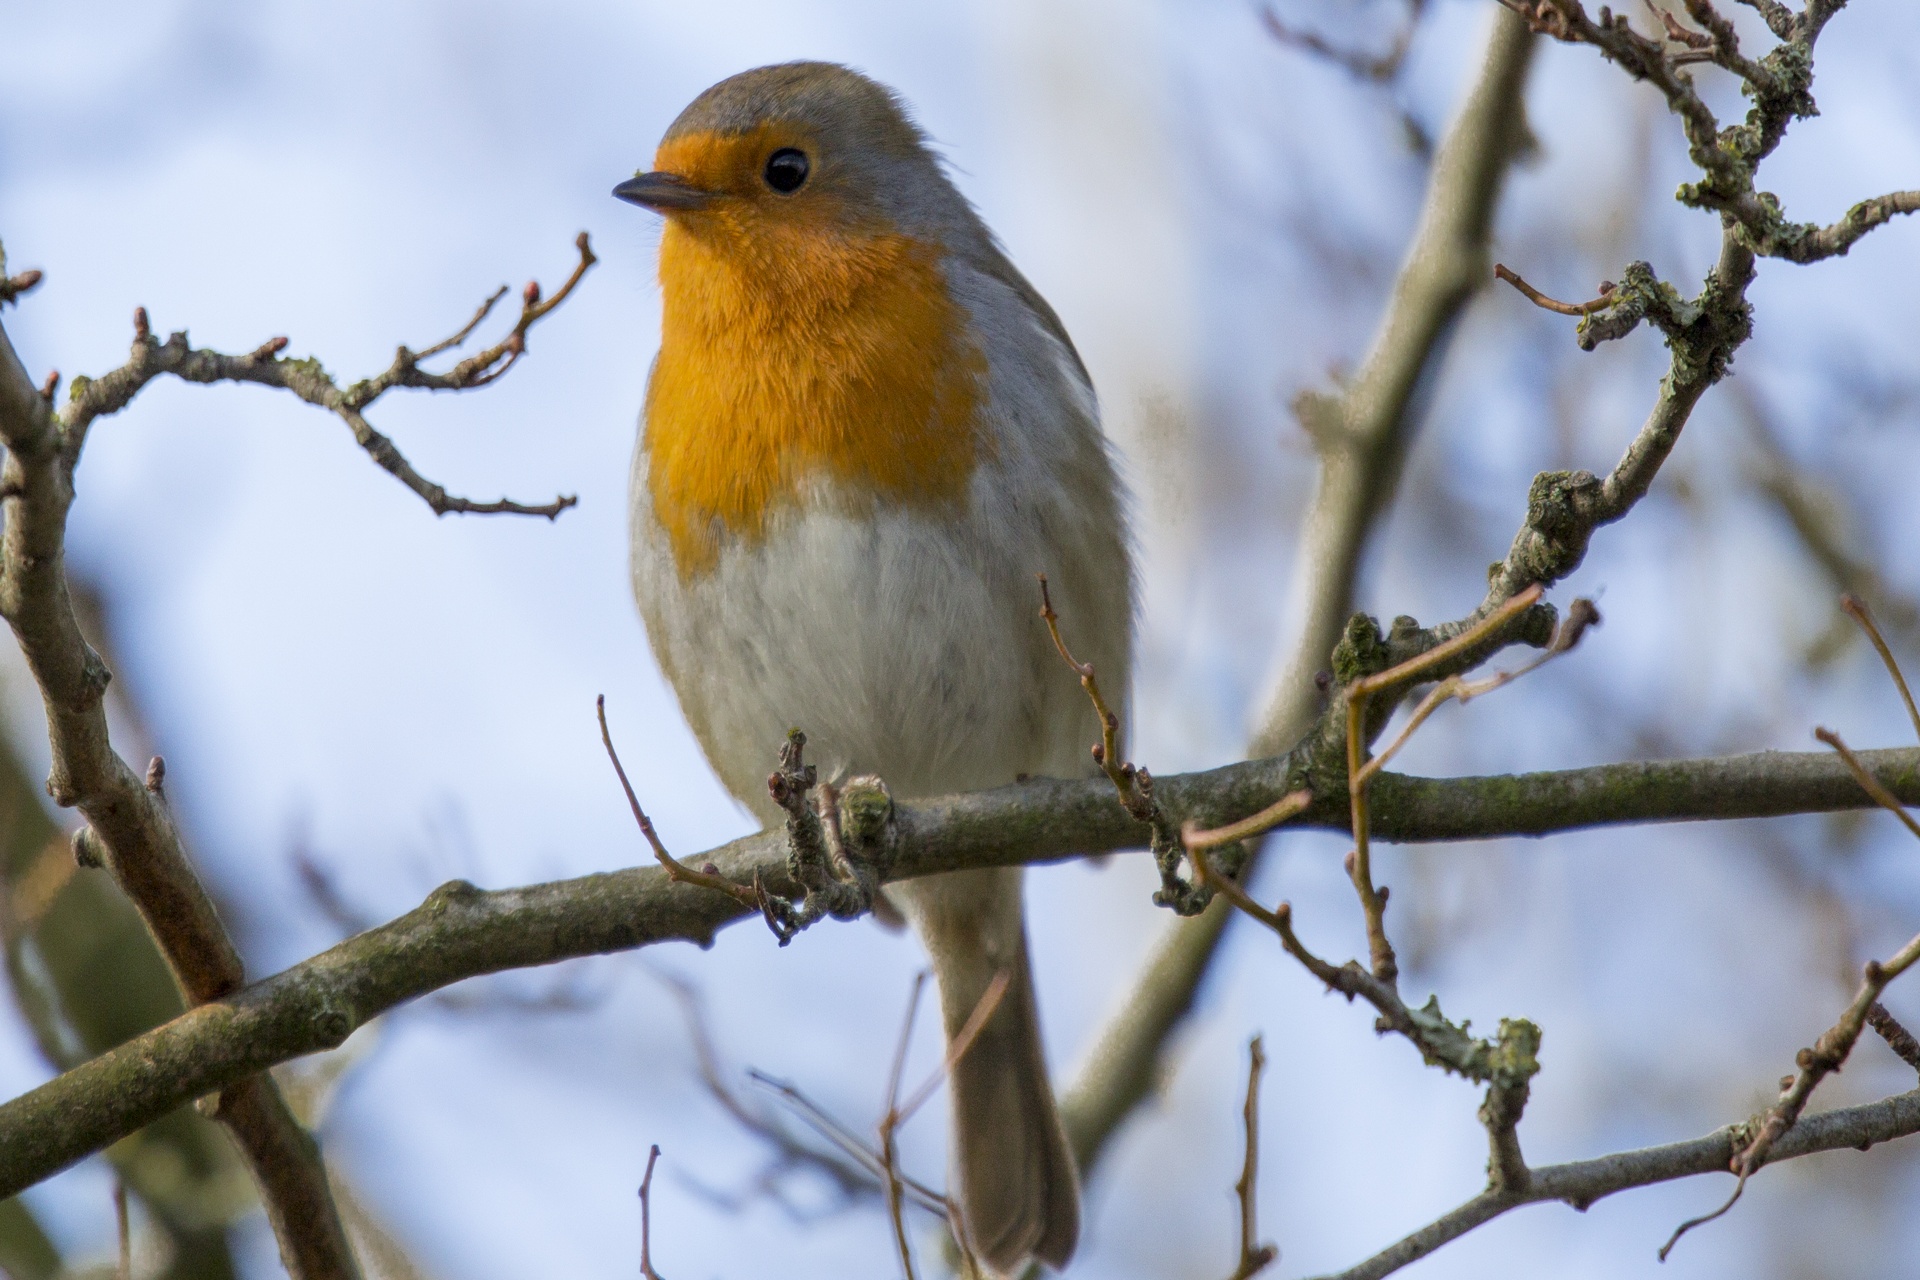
1856,609
1780,86
1508,1062
1777,16
13,287
1583,1182
1132,784
123,1230
1868,783
1541,300
1581,615
1361,434
285,1162
1359,694
93,398
129,829
461,932
1810,242
1898,1038
1287,806
646,1217
676,870
821,1122
854,1178
957,1047
1254,1256
890,1123
1828,1054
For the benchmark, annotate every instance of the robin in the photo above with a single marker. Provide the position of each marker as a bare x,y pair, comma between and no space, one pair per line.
864,434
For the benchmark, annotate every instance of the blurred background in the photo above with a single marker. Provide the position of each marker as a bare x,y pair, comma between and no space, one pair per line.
357,701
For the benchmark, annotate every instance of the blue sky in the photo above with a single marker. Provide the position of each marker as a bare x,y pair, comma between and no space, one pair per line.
328,667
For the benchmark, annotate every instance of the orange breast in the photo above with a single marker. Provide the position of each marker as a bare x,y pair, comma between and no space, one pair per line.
793,350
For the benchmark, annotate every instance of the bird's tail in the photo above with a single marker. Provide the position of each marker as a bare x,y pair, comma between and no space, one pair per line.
1013,1174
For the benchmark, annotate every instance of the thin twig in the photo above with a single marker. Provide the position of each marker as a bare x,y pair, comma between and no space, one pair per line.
821,1122
1254,1257
1106,753
1193,836
646,1217
1828,1054
1508,1062
1482,628
897,1114
676,870
1857,610
889,1125
1898,1038
1581,615
957,1048
1583,1182
1868,783
855,1178
1373,902
1678,33
461,335
1132,784
1539,299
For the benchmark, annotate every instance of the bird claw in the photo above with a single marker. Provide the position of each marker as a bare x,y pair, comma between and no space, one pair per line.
835,881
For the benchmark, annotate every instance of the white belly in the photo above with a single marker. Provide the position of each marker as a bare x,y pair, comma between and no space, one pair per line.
903,642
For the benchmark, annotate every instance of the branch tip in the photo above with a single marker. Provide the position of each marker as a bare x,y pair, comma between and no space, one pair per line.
754,898
1857,609
1541,300
646,1217
12,288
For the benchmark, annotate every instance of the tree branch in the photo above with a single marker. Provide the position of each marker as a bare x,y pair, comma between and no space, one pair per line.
1581,1183
1780,87
461,932
129,829
1361,437
1362,434
92,398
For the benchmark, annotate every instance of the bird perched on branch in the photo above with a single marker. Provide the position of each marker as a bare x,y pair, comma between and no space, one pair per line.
864,434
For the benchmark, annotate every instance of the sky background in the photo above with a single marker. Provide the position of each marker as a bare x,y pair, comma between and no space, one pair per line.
330,670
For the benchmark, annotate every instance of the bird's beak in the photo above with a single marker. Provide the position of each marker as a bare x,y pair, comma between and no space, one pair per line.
663,193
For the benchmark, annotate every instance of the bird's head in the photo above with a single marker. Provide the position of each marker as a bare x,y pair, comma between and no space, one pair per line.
770,159
808,325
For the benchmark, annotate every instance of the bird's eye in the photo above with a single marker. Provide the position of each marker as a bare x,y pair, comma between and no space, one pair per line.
786,170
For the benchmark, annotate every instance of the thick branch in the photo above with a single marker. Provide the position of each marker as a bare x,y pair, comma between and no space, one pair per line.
461,932
285,1163
129,829
1362,434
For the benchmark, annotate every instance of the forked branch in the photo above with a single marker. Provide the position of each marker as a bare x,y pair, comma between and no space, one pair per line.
93,398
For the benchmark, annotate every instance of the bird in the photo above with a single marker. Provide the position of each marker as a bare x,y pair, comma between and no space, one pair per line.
864,434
